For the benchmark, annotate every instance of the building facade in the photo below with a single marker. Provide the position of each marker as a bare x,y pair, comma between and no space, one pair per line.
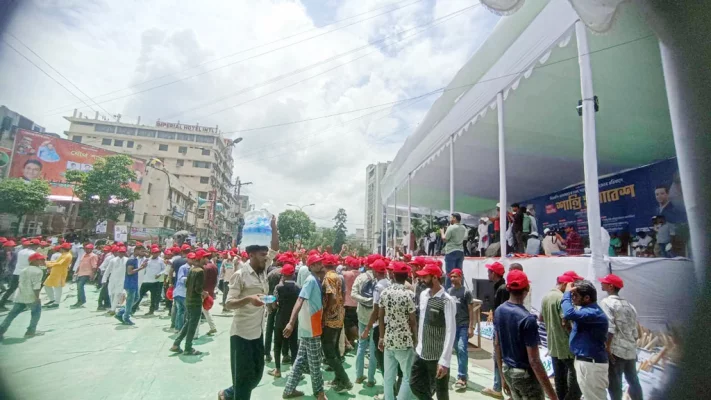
198,161
373,204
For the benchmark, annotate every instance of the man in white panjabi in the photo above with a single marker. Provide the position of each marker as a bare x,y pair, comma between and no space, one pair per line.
115,275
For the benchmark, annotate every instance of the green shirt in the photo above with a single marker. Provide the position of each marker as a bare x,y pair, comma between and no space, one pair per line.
454,238
552,314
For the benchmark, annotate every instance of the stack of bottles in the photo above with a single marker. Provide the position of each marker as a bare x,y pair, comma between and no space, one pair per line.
257,228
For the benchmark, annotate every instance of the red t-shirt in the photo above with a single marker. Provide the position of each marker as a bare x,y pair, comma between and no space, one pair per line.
210,278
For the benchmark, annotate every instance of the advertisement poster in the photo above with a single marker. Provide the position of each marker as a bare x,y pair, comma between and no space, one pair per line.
101,227
628,201
5,154
143,233
42,156
120,233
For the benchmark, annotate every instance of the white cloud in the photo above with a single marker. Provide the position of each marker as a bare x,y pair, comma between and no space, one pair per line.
103,46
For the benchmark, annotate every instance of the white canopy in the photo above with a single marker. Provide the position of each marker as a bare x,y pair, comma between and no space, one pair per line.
531,59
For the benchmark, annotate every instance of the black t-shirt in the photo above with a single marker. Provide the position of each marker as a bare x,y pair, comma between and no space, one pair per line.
287,293
463,297
176,266
516,329
501,294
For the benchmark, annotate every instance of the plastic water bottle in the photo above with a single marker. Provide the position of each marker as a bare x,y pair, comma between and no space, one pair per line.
257,228
268,299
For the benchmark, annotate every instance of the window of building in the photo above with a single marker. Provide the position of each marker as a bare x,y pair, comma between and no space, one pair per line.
76,138
204,179
145,215
146,133
202,195
204,139
84,123
201,164
201,213
183,149
129,144
106,142
166,135
118,143
105,128
150,186
163,147
180,163
186,136
124,130
205,152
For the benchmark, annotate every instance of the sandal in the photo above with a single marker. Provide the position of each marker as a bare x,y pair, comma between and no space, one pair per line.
192,352
176,349
274,373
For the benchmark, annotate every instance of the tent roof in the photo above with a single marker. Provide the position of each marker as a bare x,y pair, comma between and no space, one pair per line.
532,58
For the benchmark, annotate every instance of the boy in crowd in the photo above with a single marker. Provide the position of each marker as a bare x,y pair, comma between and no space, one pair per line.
286,293
464,322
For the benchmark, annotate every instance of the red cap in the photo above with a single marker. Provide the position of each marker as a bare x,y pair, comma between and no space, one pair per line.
400,267
25,242
44,244
613,280
456,271
139,244
35,241
185,247
565,279
56,248
119,244
373,258
517,280
3,239
497,268
167,252
10,243
313,259
407,257
208,302
212,249
37,256
122,249
107,248
574,275
114,248
378,266
287,269
89,246
66,246
155,249
192,256
175,249
430,269
313,252
419,261
244,255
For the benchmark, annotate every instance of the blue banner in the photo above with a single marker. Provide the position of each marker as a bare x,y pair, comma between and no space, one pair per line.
628,201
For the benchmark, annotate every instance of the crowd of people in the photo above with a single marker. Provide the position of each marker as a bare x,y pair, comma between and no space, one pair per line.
404,316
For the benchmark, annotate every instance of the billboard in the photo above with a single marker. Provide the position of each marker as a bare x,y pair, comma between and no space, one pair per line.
628,201
36,155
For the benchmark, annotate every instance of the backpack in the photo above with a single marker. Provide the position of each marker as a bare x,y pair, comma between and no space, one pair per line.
368,288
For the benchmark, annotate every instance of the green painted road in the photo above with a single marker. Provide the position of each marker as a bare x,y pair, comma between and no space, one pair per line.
87,355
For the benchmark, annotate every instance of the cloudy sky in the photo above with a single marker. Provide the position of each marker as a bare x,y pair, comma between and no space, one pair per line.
251,64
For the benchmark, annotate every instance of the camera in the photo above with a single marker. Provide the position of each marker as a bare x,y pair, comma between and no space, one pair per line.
442,222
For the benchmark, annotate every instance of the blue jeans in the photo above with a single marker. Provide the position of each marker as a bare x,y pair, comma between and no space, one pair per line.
497,374
81,295
131,299
452,260
663,251
179,312
461,341
17,308
363,346
393,358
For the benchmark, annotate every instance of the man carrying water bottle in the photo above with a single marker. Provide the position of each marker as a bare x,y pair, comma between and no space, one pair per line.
247,289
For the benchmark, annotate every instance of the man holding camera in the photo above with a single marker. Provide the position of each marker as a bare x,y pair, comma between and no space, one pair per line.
453,238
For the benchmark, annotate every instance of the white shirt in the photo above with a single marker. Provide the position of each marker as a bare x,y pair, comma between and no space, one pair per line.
168,242
23,260
105,263
156,266
450,310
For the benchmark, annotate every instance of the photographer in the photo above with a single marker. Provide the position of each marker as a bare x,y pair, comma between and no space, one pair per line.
552,243
453,238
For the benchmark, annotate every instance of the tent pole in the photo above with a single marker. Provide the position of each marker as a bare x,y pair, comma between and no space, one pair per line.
451,174
689,116
395,225
592,191
384,230
502,174
409,210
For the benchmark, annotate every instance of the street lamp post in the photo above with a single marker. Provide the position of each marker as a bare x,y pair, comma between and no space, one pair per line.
301,208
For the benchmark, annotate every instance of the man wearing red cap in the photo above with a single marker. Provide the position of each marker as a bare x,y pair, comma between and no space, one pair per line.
496,273
21,262
453,245
465,325
516,345
362,293
104,298
115,276
57,278
211,273
351,319
381,274
151,282
194,297
333,315
86,267
286,293
621,339
436,330
27,296
397,339
566,384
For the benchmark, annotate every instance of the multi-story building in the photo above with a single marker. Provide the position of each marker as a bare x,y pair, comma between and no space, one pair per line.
198,156
373,204
10,121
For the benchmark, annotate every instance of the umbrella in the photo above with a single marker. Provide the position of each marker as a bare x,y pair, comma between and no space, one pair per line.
182,233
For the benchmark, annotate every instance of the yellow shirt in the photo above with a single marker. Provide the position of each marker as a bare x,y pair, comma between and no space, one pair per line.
58,270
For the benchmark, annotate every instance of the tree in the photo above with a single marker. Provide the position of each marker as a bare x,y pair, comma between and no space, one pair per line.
19,197
340,230
418,229
295,225
104,191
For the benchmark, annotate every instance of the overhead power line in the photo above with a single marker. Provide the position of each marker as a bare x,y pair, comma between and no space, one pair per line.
232,63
